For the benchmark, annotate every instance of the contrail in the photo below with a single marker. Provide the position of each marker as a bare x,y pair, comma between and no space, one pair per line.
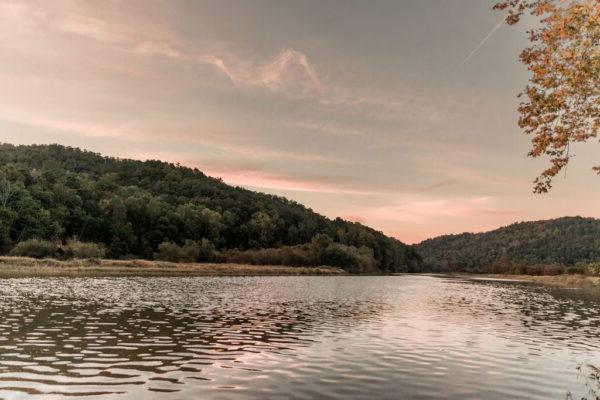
485,39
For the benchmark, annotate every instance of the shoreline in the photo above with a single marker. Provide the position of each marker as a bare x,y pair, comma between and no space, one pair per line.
23,267
563,281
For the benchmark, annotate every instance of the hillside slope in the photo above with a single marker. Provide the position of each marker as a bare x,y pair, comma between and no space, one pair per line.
564,241
131,207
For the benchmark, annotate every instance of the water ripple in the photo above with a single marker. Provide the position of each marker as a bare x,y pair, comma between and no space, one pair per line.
293,337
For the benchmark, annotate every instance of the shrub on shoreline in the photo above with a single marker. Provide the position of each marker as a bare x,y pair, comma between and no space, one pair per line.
190,252
294,256
35,248
321,251
77,249
592,269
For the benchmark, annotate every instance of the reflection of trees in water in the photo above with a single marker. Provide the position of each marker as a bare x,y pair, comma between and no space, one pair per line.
540,313
117,342
545,316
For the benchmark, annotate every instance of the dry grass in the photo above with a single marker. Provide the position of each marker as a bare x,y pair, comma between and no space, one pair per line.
570,281
13,267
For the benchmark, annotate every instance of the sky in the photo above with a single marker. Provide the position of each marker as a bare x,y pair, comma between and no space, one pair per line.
397,114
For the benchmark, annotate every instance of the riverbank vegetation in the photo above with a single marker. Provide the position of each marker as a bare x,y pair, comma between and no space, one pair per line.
65,203
18,267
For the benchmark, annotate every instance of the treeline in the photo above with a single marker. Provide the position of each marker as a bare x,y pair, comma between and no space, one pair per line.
569,244
153,209
320,251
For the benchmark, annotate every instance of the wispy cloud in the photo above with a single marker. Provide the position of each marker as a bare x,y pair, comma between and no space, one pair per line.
247,153
90,27
435,186
158,48
326,119
275,74
266,180
289,69
69,125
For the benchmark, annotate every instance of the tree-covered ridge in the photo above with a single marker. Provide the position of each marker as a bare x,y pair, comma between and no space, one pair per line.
567,241
59,193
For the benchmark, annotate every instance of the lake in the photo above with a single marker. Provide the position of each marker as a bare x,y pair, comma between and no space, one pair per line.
389,337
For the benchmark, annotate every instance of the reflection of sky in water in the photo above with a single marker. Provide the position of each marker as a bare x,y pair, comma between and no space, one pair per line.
300,337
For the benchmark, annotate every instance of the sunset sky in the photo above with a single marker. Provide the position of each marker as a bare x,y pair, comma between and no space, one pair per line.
391,113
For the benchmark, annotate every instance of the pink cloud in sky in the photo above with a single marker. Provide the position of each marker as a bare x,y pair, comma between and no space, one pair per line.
274,74
352,128
420,210
89,129
422,217
288,69
265,180
256,178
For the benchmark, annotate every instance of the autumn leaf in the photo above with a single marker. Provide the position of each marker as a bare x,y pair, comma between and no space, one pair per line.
562,103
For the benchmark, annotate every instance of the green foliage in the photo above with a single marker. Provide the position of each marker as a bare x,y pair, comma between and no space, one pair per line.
168,251
320,242
538,248
206,251
35,248
348,257
190,252
133,207
296,256
7,219
321,251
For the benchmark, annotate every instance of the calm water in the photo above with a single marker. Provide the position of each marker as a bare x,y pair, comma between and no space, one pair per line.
412,337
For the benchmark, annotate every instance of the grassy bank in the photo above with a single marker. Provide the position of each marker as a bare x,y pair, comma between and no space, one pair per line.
14,267
567,281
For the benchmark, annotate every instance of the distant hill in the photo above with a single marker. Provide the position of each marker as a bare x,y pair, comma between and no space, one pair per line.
567,241
131,207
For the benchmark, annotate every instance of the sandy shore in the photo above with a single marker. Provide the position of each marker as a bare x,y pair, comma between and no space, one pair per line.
571,281
14,267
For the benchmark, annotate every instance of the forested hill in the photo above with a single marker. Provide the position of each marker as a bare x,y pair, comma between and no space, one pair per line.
567,242
155,209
